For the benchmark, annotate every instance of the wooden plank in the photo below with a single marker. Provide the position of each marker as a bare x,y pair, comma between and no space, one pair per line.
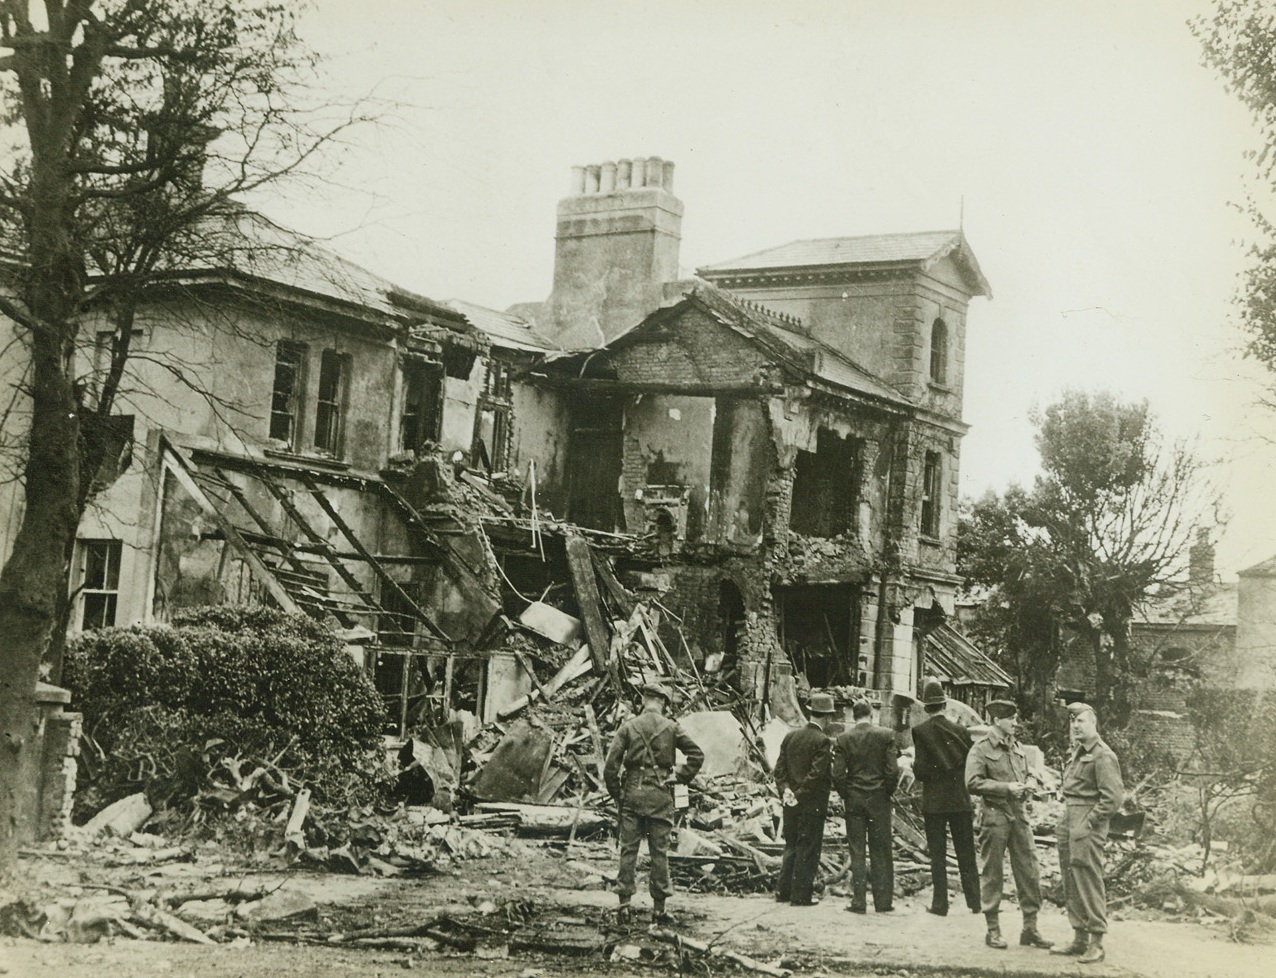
623,599
182,469
582,569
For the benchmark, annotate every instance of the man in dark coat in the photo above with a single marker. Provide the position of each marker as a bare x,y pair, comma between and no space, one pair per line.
639,773
802,775
940,748
865,773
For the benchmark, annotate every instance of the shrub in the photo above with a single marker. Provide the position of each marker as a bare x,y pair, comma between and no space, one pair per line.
166,704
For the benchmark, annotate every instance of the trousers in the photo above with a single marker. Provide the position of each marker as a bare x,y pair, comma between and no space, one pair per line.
994,841
961,825
655,829
1081,866
868,816
803,841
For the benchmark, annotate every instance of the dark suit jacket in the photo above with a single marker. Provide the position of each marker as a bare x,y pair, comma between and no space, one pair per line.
940,764
803,765
864,760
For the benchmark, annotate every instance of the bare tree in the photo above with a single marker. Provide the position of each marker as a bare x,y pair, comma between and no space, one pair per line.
133,123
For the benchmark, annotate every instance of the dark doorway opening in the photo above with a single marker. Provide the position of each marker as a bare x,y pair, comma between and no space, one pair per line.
819,629
826,486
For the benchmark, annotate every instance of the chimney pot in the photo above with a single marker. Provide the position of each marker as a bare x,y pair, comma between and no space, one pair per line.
624,172
607,178
655,171
639,178
578,180
668,176
592,174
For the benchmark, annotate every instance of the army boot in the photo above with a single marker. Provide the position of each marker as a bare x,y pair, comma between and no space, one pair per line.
1030,936
1094,953
993,938
1080,942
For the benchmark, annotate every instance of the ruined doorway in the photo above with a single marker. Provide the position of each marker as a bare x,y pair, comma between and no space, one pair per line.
594,462
818,627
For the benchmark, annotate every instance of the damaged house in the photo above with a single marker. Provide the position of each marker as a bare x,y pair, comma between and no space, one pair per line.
784,430
768,449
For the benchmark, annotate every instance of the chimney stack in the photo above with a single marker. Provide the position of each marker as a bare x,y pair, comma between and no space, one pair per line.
1200,558
617,243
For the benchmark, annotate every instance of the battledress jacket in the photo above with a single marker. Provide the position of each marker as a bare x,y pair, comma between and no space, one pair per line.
640,764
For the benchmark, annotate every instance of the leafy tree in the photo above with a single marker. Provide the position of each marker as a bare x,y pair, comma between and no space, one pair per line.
1067,562
127,127
1239,42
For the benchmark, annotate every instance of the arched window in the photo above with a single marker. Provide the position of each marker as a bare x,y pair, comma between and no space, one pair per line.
939,352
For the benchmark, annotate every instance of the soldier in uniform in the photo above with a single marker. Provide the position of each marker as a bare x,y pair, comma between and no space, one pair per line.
1092,794
940,749
865,774
639,773
997,771
802,775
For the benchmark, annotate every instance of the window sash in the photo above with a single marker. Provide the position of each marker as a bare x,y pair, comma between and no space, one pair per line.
285,395
99,583
328,402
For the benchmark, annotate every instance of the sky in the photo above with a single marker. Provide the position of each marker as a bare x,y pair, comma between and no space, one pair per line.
1093,164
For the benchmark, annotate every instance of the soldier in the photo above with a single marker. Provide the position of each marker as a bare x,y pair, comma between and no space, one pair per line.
941,748
802,775
639,772
1092,794
865,774
997,771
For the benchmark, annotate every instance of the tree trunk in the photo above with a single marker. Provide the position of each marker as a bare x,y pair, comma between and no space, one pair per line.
34,577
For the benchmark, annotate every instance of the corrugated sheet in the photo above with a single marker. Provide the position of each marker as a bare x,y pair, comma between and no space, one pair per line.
953,658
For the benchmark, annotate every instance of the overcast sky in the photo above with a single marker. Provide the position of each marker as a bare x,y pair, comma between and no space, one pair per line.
1091,158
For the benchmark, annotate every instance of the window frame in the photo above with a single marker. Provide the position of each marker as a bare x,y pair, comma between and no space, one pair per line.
330,403
109,590
496,398
288,353
939,337
430,376
930,522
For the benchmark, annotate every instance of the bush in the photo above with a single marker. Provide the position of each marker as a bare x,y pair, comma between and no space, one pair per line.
166,704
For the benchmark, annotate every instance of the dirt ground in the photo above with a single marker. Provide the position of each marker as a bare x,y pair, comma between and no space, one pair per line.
537,911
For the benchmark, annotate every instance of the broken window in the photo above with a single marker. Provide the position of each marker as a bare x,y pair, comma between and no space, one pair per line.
826,486
932,494
492,420
330,402
285,400
422,405
939,352
99,583
819,626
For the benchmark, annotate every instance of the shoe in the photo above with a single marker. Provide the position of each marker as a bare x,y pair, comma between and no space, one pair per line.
781,898
808,902
976,909
1033,938
1078,946
1093,954
883,910
994,939
624,914
662,918
856,908
938,911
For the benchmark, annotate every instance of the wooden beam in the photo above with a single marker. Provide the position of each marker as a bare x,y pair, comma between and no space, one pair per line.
582,568
182,469
382,574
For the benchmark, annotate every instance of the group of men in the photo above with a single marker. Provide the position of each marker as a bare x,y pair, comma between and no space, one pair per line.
861,764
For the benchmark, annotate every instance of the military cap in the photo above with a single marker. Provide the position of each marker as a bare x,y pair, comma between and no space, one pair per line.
1079,707
1000,709
656,689
933,693
820,704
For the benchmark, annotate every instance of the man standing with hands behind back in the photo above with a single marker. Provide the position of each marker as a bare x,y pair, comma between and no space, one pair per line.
941,748
802,775
1092,793
865,774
